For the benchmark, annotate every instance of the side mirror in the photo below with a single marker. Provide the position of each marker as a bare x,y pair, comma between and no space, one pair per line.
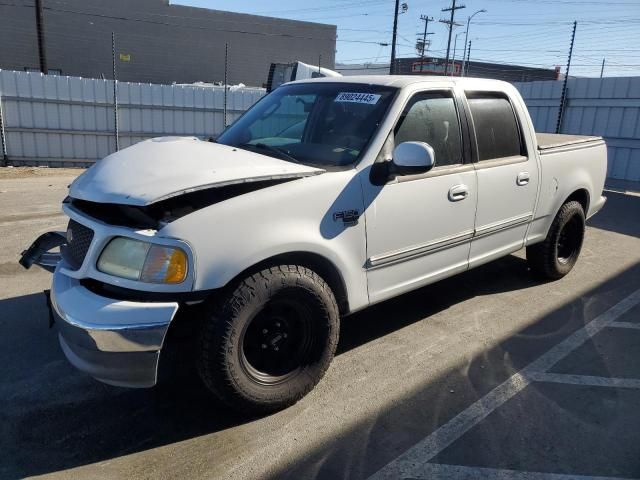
410,158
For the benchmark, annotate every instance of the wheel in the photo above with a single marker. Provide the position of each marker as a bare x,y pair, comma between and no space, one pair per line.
558,253
270,341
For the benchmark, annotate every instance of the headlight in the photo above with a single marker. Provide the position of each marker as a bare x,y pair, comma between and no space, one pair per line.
143,261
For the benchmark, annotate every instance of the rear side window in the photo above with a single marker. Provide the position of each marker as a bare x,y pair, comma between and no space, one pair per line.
432,118
496,126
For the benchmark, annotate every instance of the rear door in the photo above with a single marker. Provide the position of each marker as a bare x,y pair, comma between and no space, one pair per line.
507,176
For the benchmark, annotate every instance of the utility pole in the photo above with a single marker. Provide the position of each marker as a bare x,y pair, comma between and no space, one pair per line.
40,28
566,78
426,19
602,69
451,24
392,66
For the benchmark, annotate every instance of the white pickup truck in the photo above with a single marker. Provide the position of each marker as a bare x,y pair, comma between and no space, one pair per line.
328,196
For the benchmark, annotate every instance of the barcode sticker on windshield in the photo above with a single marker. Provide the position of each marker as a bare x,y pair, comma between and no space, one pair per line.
354,97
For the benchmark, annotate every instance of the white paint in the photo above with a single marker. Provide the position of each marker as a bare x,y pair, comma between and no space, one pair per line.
414,462
164,167
433,471
228,237
587,380
634,326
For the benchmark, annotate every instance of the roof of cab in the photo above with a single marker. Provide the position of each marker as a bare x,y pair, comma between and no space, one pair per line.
400,81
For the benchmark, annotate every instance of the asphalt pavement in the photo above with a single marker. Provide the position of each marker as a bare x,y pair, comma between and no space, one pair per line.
490,374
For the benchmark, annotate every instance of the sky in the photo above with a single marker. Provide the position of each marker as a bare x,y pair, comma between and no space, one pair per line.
531,33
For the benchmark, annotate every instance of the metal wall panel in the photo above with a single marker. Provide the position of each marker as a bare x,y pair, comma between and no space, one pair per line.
162,42
55,120
609,107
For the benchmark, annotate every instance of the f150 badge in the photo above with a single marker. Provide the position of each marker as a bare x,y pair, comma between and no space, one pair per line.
348,217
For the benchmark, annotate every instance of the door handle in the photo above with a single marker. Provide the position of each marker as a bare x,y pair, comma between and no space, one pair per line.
522,178
458,192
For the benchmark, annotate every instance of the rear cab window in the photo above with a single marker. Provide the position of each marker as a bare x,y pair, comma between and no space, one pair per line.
497,130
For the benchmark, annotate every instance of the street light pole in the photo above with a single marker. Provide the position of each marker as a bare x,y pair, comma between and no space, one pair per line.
453,61
466,37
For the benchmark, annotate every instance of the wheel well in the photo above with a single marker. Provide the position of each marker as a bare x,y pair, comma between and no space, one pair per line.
582,197
319,264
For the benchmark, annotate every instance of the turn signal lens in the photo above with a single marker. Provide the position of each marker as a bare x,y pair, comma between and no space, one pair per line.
164,265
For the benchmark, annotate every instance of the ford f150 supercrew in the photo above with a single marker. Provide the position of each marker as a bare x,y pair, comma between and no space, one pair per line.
327,196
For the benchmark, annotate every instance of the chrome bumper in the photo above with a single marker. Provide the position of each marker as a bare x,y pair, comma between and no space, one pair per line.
117,342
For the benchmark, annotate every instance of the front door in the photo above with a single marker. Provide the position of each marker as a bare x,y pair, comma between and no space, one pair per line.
419,227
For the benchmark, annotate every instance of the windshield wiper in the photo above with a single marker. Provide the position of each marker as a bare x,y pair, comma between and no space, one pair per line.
280,153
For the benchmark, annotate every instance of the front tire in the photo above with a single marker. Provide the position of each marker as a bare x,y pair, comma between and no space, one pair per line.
555,257
270,341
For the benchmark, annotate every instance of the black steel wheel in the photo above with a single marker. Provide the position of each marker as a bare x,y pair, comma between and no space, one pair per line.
270,340
570,240
278,341
558,253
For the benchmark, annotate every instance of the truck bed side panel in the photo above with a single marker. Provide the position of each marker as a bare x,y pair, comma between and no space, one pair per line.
566,167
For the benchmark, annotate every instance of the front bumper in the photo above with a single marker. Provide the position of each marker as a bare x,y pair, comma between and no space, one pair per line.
117,342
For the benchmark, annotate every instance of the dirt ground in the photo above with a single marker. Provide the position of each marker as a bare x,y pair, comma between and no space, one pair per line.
30,172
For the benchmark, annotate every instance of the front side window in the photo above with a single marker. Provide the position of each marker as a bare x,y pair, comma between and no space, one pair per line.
320,124
496,126
432,118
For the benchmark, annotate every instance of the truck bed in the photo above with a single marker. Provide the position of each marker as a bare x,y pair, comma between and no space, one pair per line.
547,141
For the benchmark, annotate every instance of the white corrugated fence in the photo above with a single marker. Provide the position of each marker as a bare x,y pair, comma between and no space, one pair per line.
69,121
608,107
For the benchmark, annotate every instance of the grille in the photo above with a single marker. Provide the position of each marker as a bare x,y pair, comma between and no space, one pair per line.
79,239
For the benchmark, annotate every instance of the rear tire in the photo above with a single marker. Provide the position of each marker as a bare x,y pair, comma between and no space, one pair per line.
270,341
558,253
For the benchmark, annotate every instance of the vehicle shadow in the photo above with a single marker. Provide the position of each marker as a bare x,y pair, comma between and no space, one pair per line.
57,418
617,214
543,418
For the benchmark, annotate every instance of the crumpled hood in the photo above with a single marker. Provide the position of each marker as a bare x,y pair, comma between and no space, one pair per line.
165,167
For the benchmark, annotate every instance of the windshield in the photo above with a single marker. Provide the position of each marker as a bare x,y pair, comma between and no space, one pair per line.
319,124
